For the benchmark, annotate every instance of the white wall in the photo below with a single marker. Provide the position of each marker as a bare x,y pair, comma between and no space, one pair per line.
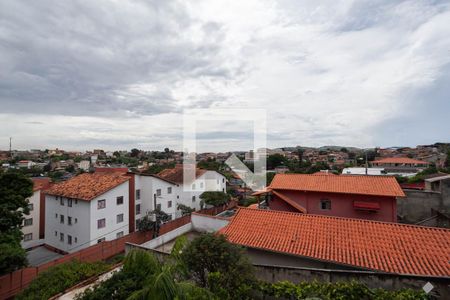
35,216
109,213
79,230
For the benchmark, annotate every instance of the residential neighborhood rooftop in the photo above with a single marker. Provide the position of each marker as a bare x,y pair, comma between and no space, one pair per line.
380,246
176,174
400,160
346,184
87,186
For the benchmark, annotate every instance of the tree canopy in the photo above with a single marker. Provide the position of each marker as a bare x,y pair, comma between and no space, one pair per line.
15,188
215,198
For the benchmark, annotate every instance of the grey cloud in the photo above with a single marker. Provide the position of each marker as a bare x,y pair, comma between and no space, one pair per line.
75,58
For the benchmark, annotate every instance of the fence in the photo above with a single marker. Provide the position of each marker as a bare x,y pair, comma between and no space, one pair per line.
12,283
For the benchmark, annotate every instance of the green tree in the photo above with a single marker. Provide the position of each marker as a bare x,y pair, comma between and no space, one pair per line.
15,188
135,152
215,263
215,198
275,160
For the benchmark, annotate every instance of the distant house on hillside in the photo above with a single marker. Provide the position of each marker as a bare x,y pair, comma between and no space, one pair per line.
359,196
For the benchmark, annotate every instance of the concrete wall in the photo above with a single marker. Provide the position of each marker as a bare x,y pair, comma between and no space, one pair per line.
372,279
262,257
160,240
341,205
204,223
418,205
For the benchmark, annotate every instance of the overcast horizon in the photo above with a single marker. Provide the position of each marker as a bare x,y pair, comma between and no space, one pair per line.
117,75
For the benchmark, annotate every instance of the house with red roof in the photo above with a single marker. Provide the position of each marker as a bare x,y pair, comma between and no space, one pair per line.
361,197
289,239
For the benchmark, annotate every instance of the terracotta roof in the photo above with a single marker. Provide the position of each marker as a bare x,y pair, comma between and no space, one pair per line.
399,160
324,173
40,183
176,174
380,246
87,186
348,184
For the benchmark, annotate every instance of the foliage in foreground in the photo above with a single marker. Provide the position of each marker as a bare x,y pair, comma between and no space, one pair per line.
210,267
329,291
58,278
15,188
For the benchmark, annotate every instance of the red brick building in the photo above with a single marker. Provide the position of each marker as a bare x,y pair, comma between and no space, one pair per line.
361,197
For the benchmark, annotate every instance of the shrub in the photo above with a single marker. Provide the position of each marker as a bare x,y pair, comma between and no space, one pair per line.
352,290
58,278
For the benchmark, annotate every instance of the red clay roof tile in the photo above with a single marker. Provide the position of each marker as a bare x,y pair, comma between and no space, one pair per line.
176,174
87,186
387,247
346,184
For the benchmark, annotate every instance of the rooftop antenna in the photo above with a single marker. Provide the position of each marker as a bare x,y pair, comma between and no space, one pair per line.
367,165
10,151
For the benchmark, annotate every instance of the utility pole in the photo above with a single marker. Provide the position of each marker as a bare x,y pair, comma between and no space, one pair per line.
367,165
10,149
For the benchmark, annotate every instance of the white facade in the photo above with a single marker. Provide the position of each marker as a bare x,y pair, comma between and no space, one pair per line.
74,224
209,181
167,195
30,227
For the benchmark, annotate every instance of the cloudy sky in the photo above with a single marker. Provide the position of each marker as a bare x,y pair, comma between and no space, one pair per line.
120,74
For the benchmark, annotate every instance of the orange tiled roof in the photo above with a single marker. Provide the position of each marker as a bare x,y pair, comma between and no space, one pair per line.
387,247
87,186
176,174
40,183
324,173
348,184
400,160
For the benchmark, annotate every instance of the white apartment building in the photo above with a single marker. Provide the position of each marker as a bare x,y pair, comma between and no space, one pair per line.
189,193
87,209
32,222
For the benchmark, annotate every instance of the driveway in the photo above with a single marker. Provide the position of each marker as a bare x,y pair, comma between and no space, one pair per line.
41,255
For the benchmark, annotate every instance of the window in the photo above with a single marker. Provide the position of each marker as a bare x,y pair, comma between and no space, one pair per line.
69,220
69,239
193,186
61,219
56,233
119,234
325,204
101,223
201,185
69,202
76,240
158,192
28,237
138,209
178,196
138,194
101,240
169,190
119,218
193,198
119,200
158,206
76,220
101,204
76,201
61,237
28,222
223,180
169,203
61,200
56,216
31,206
